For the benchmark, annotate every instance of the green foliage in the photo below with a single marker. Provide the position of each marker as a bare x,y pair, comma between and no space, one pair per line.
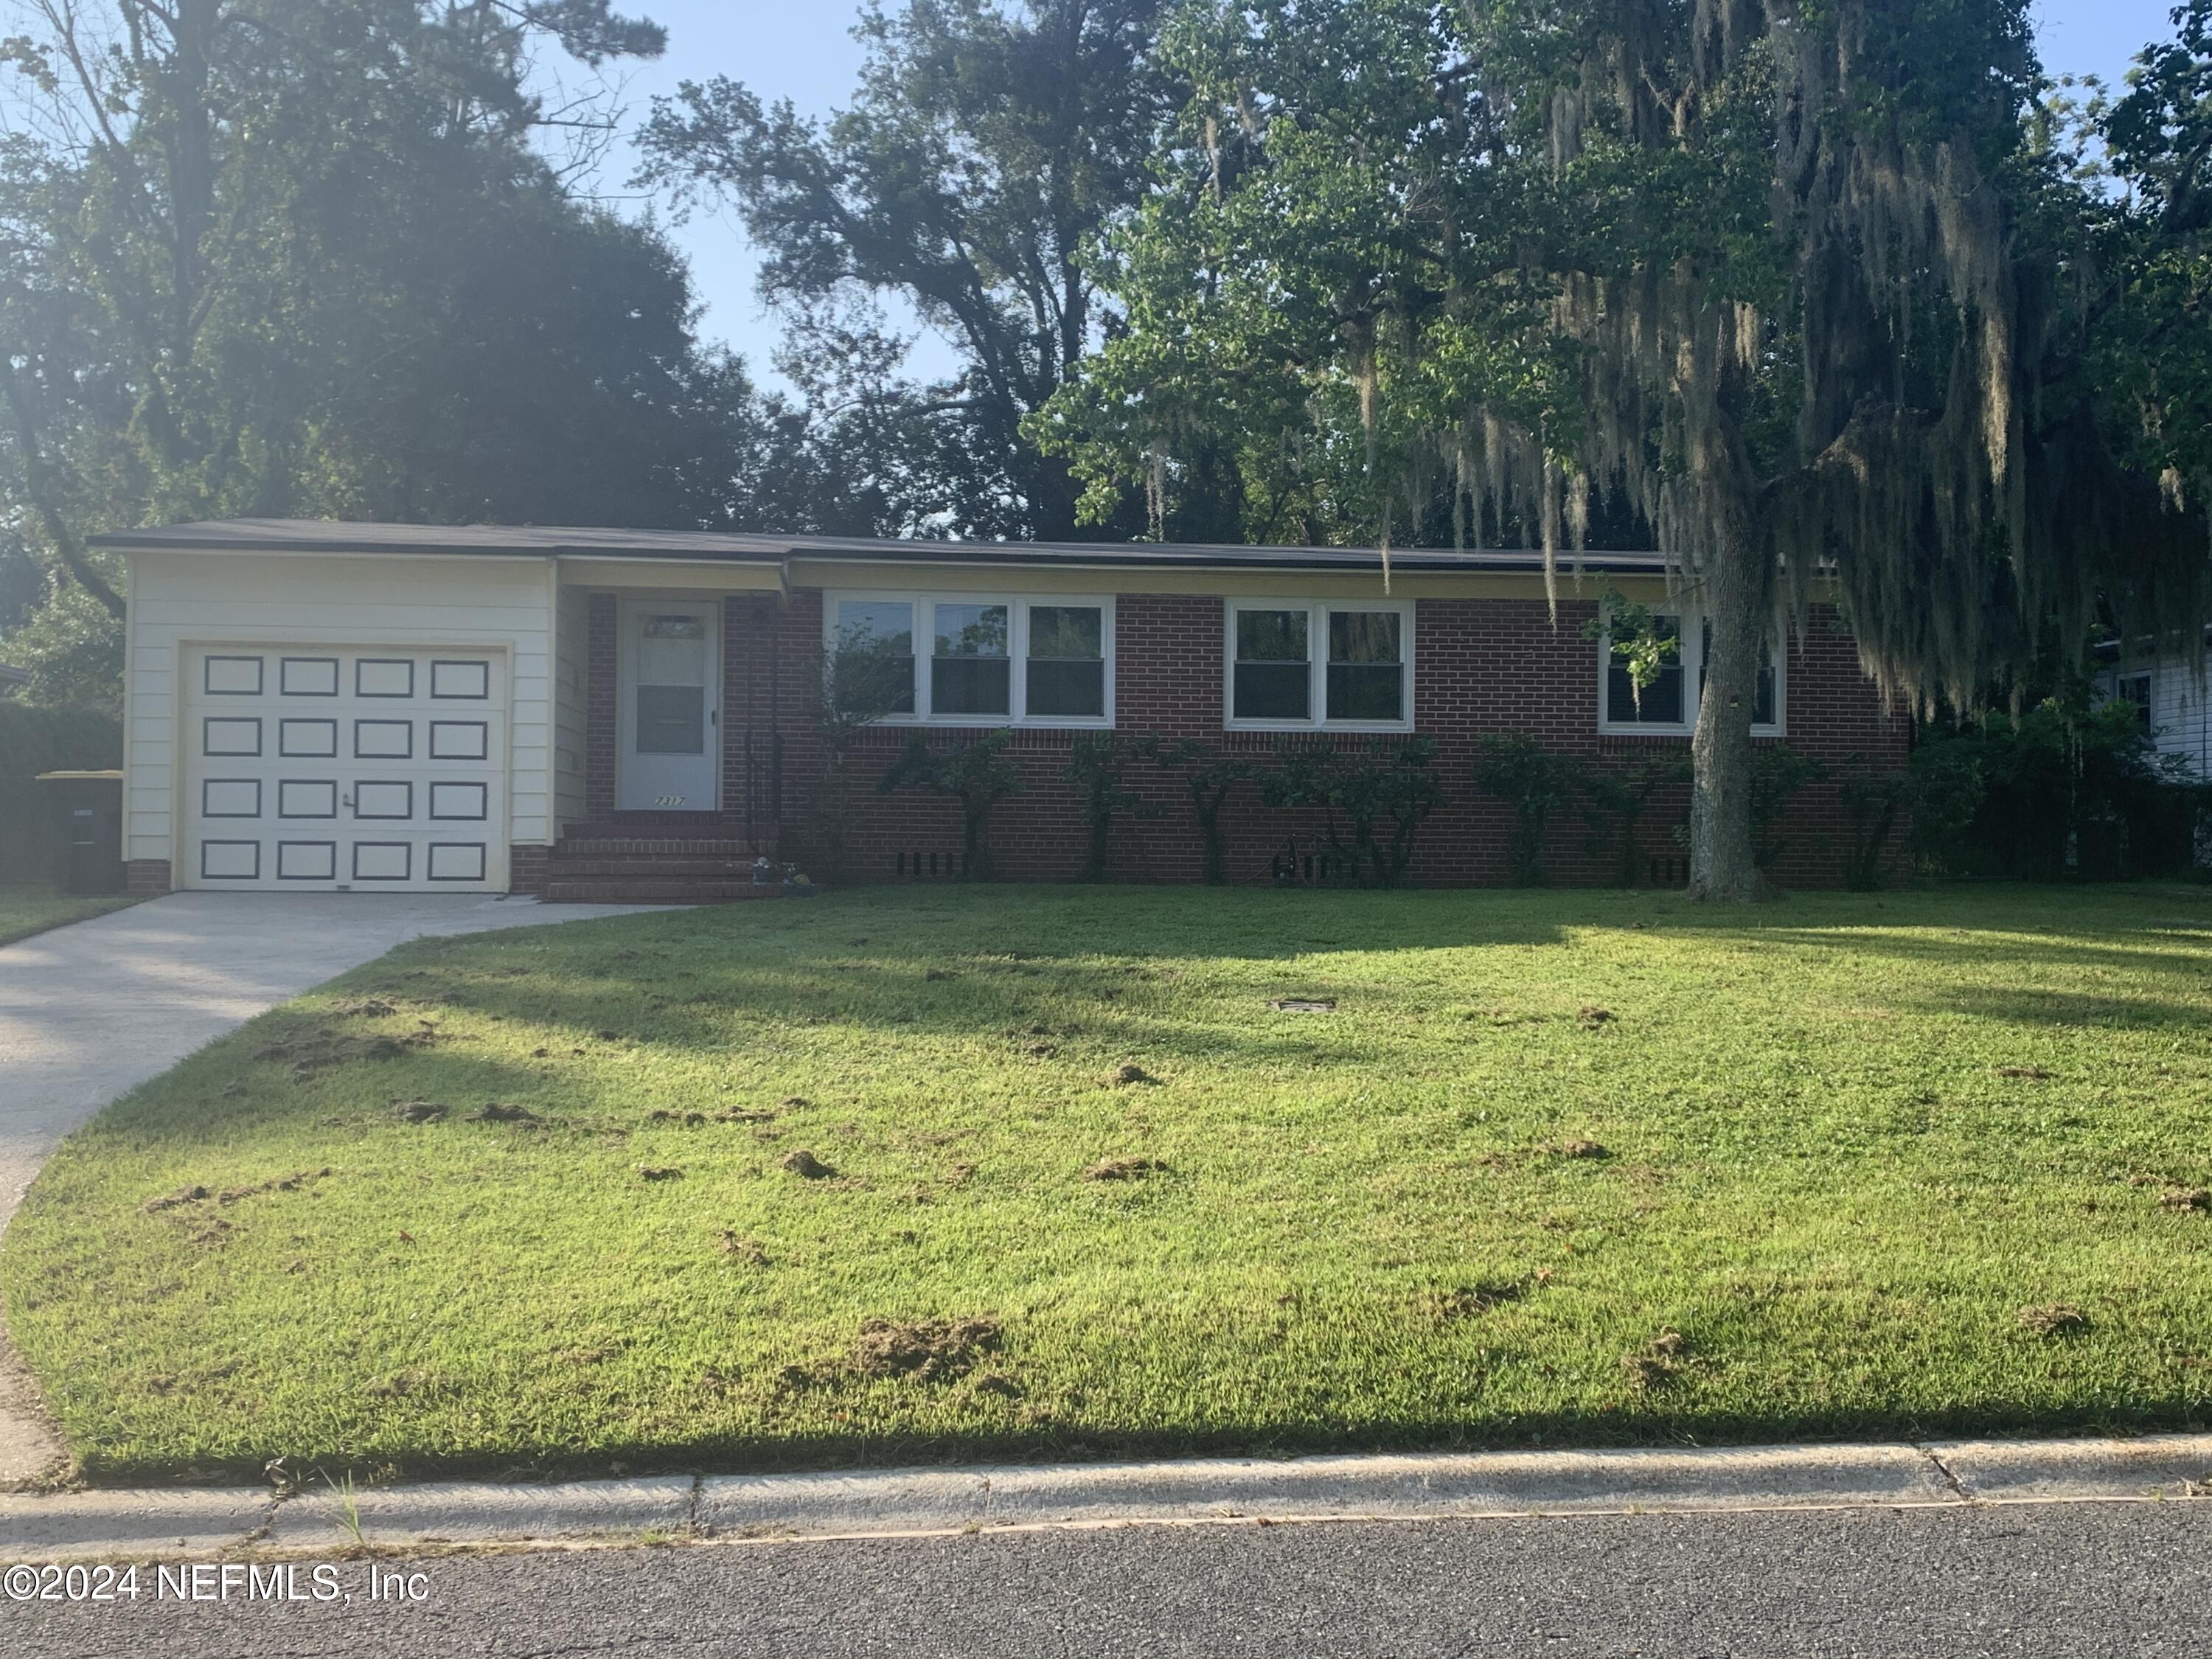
1210,778
983,150
1373,800
1641,640
977,772
34,740
2066,791
1612,800
1777,772
1534,783
1096,763
1789,293
310,258
73,645
1941,789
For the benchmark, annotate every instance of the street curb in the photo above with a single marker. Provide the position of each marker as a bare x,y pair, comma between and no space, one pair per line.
937,1501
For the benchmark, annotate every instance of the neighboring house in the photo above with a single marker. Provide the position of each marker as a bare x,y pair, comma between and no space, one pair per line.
13,680
2169,693
604,713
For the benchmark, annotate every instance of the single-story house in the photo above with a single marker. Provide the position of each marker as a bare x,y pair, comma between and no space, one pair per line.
588,713
2169,694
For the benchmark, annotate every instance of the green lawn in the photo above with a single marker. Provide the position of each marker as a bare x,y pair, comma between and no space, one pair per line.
32,907
1559,1167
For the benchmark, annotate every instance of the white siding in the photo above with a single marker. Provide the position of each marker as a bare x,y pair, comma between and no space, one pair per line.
571,658
2178,699
213,599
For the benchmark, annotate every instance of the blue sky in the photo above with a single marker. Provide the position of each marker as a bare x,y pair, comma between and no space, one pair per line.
806,52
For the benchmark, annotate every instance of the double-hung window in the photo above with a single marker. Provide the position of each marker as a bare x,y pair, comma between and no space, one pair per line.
1318,663
970,671
984,660
1668,706
1063,669
2135,689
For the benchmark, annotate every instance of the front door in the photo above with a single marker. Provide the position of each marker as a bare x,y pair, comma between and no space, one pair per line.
670,685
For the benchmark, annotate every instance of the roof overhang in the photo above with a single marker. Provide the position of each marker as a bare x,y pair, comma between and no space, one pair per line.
569,543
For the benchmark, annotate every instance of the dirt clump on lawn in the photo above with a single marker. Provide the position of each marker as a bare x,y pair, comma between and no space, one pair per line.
291,1182
495,1112
197,1193
1471,1301
2184,1198
1657,1363
807,1167
926,1351
1125,1169
363,1008
171,1201
2053,1320
419,1111
1581,1148
1128,1072
751,1251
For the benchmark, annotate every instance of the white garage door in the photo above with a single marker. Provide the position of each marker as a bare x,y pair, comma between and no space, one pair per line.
324,768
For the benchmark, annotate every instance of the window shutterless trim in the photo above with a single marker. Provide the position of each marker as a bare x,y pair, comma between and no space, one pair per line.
1317,614
924,602
1692,659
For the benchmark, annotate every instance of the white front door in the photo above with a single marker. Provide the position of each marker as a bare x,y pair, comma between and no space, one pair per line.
671,657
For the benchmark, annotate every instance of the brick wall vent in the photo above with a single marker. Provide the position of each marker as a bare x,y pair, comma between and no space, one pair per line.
925,866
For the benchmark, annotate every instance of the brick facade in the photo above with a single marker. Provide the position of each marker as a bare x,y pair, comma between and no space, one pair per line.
148,877
526,866
1481,666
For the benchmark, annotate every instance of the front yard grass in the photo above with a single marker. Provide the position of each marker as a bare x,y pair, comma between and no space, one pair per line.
32,907
1557,1167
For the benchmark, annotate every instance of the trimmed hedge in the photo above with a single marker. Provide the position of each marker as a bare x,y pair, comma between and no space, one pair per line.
35,740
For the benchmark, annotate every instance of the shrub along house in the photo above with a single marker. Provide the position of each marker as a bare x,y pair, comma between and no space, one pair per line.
613,714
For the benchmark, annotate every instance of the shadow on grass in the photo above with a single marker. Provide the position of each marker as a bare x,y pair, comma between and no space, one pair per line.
987,964
699,982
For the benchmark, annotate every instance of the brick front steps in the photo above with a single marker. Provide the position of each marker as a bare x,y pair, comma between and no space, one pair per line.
652,861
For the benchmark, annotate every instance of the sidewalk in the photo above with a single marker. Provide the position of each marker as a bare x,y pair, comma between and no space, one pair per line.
912,1503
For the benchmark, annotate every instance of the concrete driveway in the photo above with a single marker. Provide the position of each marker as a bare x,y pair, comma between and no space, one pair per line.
90,1010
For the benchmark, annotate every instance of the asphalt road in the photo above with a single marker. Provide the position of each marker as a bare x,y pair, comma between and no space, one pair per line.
2122,1579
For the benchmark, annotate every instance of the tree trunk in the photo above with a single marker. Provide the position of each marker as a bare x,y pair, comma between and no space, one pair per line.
1721,864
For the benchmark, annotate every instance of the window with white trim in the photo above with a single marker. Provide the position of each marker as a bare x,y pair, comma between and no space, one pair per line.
2135,689
972,660
1668,706
1320,663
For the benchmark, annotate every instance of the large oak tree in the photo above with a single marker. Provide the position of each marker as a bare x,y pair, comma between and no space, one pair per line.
1797,292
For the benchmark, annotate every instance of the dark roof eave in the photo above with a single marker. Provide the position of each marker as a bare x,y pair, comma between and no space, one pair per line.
705,547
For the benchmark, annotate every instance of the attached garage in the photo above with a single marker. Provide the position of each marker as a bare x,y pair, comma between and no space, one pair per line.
332,722
367,767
